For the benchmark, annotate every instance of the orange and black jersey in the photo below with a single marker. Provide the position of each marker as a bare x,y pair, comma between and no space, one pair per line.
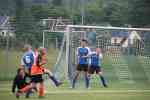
37,67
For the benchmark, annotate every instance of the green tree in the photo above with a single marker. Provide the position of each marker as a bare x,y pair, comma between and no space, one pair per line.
57,2
140,12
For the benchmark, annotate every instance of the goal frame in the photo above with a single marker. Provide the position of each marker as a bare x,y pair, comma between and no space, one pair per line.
68,30
69,27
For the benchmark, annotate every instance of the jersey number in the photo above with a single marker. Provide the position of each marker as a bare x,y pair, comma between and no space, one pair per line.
27,59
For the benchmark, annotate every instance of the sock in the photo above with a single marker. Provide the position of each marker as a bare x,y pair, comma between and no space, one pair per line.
41,89
103,81
87,81
74,82
29,93
54,80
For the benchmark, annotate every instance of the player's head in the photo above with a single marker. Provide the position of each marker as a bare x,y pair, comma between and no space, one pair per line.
98,50
83,42
42,50
27,47
21,72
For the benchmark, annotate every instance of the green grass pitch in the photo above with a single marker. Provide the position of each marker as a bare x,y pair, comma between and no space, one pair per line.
113,92
138,88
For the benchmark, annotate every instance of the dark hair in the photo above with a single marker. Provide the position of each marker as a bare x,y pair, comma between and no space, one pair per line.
84,40
18,70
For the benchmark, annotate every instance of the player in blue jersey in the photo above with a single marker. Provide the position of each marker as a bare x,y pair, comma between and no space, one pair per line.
95,65
27,59
82,62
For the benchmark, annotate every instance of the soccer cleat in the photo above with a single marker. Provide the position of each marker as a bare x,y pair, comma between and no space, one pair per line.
29,93
88,88
105,86
59,83
71,87
18,95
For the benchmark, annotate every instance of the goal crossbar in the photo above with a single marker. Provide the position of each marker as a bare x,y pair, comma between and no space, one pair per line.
108,28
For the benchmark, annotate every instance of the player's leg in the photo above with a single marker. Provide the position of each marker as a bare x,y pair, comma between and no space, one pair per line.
29,93
78,71
27,89
41,89
38,79
75,78
90,73
85,69
52,77
100,73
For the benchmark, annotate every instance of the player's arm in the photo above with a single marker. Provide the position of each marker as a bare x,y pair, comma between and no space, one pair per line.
22,63
77,55
100,56
77,52
89,53
43,60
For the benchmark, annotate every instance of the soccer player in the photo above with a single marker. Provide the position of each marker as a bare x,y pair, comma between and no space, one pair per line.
82,62
27,59
42,61
20,81
36,72
95,65
30,63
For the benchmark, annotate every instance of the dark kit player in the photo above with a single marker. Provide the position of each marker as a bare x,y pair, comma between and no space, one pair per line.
95,65
20,81
82,62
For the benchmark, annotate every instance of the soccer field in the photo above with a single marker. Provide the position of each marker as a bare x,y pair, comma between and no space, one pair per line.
121,92
135,86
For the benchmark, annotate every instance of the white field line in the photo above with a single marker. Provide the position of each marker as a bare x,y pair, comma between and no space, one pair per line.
87,91
96,91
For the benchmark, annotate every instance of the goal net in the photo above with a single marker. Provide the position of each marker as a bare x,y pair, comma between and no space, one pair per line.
122,48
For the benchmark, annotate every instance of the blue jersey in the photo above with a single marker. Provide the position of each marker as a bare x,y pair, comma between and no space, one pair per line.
95,59
81,52
28,59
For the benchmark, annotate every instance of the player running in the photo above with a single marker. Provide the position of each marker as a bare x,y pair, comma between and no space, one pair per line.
82,62
95,65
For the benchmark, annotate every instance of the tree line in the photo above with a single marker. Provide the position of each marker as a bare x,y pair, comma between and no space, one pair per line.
26,14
